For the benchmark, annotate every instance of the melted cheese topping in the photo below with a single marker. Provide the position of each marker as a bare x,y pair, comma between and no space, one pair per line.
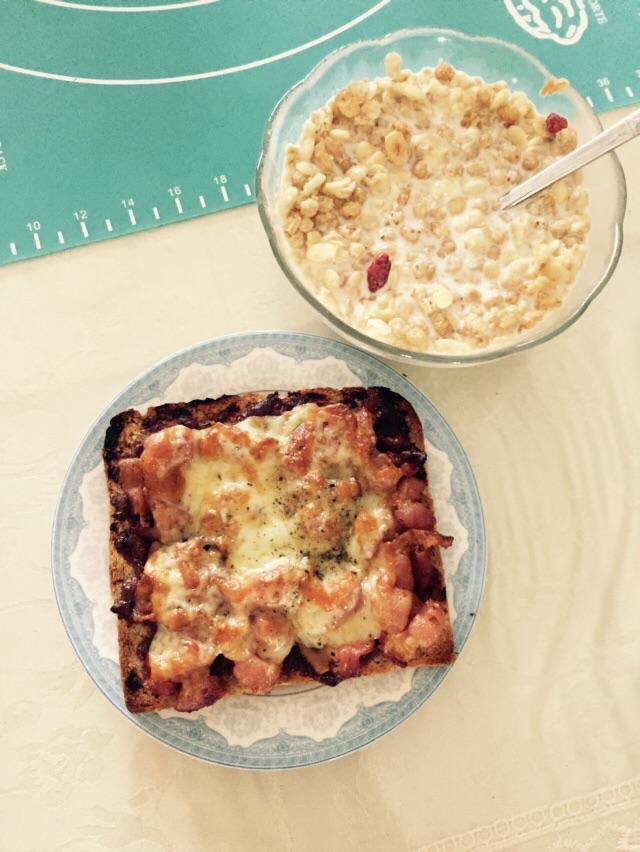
284,518
313,628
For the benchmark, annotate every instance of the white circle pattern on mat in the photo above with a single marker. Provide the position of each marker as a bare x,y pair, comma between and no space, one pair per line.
97,7
183,78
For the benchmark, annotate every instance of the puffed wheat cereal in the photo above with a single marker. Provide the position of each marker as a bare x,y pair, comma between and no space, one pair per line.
405,172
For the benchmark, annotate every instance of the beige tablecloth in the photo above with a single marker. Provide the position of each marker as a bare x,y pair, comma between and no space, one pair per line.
531,743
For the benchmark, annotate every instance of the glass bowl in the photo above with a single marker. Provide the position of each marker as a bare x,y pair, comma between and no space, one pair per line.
492,60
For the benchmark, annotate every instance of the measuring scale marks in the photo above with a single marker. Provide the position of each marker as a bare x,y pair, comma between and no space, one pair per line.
122,115
78,230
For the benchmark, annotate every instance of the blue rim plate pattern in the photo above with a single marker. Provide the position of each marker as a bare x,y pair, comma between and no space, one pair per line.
194,737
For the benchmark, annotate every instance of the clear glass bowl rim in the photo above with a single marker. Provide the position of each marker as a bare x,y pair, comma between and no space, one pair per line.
365,341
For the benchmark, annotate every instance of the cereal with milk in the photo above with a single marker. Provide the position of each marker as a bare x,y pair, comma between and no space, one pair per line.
389,203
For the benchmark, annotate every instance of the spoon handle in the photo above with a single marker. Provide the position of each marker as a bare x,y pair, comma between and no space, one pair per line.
619,133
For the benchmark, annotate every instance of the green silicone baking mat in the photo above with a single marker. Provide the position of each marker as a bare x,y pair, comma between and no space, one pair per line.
121,115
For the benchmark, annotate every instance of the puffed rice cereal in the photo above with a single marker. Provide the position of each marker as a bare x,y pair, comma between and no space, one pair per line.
389,204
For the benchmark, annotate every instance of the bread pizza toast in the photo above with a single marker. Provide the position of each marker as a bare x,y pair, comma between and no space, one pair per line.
262,540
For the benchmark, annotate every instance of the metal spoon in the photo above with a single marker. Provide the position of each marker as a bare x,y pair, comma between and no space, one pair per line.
619,133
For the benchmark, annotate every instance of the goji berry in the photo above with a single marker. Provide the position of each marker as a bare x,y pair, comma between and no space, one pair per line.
378,272
555,123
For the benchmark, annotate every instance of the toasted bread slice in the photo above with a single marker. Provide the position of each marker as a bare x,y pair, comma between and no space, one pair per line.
354,582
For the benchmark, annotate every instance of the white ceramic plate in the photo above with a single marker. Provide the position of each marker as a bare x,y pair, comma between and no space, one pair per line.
298,726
